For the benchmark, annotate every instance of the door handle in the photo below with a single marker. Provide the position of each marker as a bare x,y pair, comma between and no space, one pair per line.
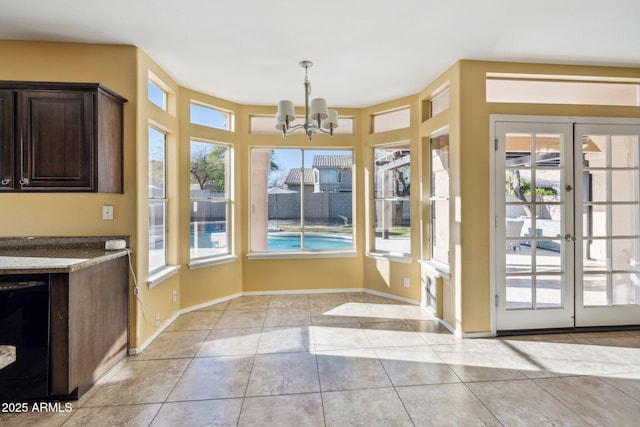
568,187
24,181
5,181
569,238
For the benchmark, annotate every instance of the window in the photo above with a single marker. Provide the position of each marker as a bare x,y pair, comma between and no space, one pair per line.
439,103
210,206
392,188
265,125
293,208
157,200
391,120
439,199
557,89
156,95
211,117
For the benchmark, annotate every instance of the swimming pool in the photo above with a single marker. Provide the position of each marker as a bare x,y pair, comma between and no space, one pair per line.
213,235
291,242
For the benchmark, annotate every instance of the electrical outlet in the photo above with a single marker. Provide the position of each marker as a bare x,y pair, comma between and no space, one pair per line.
107,212
157,319
174,296
405,282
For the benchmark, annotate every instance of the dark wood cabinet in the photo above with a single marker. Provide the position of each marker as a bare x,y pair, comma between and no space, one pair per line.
65,137
89,317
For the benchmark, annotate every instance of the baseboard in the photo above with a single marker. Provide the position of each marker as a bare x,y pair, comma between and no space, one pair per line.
305,291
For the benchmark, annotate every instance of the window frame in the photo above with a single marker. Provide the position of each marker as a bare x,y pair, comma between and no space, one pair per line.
382,251
303,252
435,198
163,200
226,199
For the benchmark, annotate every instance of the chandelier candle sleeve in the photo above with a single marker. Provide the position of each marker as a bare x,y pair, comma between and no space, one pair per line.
317,118
319,109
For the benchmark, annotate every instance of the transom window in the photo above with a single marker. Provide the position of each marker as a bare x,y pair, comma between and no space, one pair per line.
156,95
212,117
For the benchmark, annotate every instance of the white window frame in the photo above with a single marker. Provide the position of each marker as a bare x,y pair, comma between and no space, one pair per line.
159,199
305,253
437,198
388,252
212,258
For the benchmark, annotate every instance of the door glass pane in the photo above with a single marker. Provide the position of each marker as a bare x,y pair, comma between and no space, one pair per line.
547,149
594,221
594,148
624,185
515,211
625,289
519,260
548,291
548,256
623,220
623,151
595,289
548,220
519,292
595,255
595,186
518,185
624,255
548,183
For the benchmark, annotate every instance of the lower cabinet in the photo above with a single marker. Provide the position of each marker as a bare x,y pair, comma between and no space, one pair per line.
89,316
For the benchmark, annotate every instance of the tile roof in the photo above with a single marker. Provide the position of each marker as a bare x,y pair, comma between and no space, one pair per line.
332,161
294,176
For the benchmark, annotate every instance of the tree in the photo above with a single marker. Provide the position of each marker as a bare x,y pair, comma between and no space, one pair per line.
208,168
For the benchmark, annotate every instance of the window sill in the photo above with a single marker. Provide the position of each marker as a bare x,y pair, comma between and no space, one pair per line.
160,276
207,262
390,256
298,255
437,268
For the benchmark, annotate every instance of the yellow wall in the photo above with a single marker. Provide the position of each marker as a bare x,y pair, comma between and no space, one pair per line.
474,172
261,275
380,274
73,214
126,70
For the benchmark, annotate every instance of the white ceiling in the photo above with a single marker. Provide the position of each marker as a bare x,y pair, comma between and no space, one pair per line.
365,51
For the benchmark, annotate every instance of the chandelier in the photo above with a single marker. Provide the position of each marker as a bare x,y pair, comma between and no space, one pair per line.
316,119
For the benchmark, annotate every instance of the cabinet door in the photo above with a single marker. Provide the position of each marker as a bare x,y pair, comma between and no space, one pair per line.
7,141
57,140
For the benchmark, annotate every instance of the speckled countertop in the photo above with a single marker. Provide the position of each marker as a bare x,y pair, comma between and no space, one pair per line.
54,254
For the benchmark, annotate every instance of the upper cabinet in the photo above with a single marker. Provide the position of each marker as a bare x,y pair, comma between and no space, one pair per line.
65,137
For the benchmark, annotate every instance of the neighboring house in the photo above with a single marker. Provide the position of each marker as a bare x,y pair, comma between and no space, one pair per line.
332,173
328,173
293,180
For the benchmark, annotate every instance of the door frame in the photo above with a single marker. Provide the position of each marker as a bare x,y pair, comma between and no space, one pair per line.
493,118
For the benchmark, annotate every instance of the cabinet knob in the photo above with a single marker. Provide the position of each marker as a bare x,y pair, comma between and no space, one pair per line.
5,181
24,181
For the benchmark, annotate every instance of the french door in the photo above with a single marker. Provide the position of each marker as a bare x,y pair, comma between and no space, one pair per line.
566,224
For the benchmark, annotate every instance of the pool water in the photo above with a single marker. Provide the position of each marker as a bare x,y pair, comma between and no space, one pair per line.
292,242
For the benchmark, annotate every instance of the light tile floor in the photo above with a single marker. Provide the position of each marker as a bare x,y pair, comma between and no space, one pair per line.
356,359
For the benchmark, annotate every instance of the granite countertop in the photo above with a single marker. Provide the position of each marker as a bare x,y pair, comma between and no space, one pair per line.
53,255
